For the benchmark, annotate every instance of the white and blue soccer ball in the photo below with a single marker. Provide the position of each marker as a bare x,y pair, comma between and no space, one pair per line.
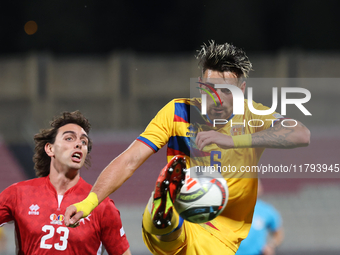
203,196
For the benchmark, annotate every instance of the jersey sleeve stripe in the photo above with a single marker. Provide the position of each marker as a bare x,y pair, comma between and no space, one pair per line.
148,143
179,119
182,112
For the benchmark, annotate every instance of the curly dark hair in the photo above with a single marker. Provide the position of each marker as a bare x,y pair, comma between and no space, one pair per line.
224,57
41,160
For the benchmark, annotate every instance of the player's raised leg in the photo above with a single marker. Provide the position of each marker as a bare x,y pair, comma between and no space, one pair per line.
160,217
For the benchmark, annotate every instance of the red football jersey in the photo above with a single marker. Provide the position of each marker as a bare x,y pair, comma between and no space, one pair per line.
38,213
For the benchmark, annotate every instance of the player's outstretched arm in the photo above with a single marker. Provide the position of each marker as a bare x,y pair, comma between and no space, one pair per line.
290,135
110,179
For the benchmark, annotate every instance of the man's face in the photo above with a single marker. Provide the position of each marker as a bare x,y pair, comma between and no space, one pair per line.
218,111
70,149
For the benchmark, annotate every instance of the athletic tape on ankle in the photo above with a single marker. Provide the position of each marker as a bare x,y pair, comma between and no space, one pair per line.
242,141
88,204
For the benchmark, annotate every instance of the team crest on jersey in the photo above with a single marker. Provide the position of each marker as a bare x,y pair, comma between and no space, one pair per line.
57,219
33,210
192,131
237,130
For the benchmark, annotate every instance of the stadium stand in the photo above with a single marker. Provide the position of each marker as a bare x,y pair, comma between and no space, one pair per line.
10,169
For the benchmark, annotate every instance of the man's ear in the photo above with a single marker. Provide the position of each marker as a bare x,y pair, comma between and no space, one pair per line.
243,87
200,84
49,149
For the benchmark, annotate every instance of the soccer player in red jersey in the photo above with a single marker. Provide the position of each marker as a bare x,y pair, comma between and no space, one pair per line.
37,206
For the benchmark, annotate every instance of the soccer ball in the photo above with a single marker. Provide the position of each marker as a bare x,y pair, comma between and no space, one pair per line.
203,196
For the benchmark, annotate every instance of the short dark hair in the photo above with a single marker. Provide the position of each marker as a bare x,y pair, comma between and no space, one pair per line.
41,160
223,58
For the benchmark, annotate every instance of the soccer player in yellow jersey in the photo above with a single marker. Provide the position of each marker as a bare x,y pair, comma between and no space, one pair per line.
193,140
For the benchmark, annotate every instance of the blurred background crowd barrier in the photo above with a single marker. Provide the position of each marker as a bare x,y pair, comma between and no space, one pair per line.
122,91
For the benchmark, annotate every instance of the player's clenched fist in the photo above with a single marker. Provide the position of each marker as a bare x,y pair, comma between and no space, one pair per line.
72,217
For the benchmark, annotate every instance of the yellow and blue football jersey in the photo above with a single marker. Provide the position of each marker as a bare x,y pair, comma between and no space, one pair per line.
177,124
